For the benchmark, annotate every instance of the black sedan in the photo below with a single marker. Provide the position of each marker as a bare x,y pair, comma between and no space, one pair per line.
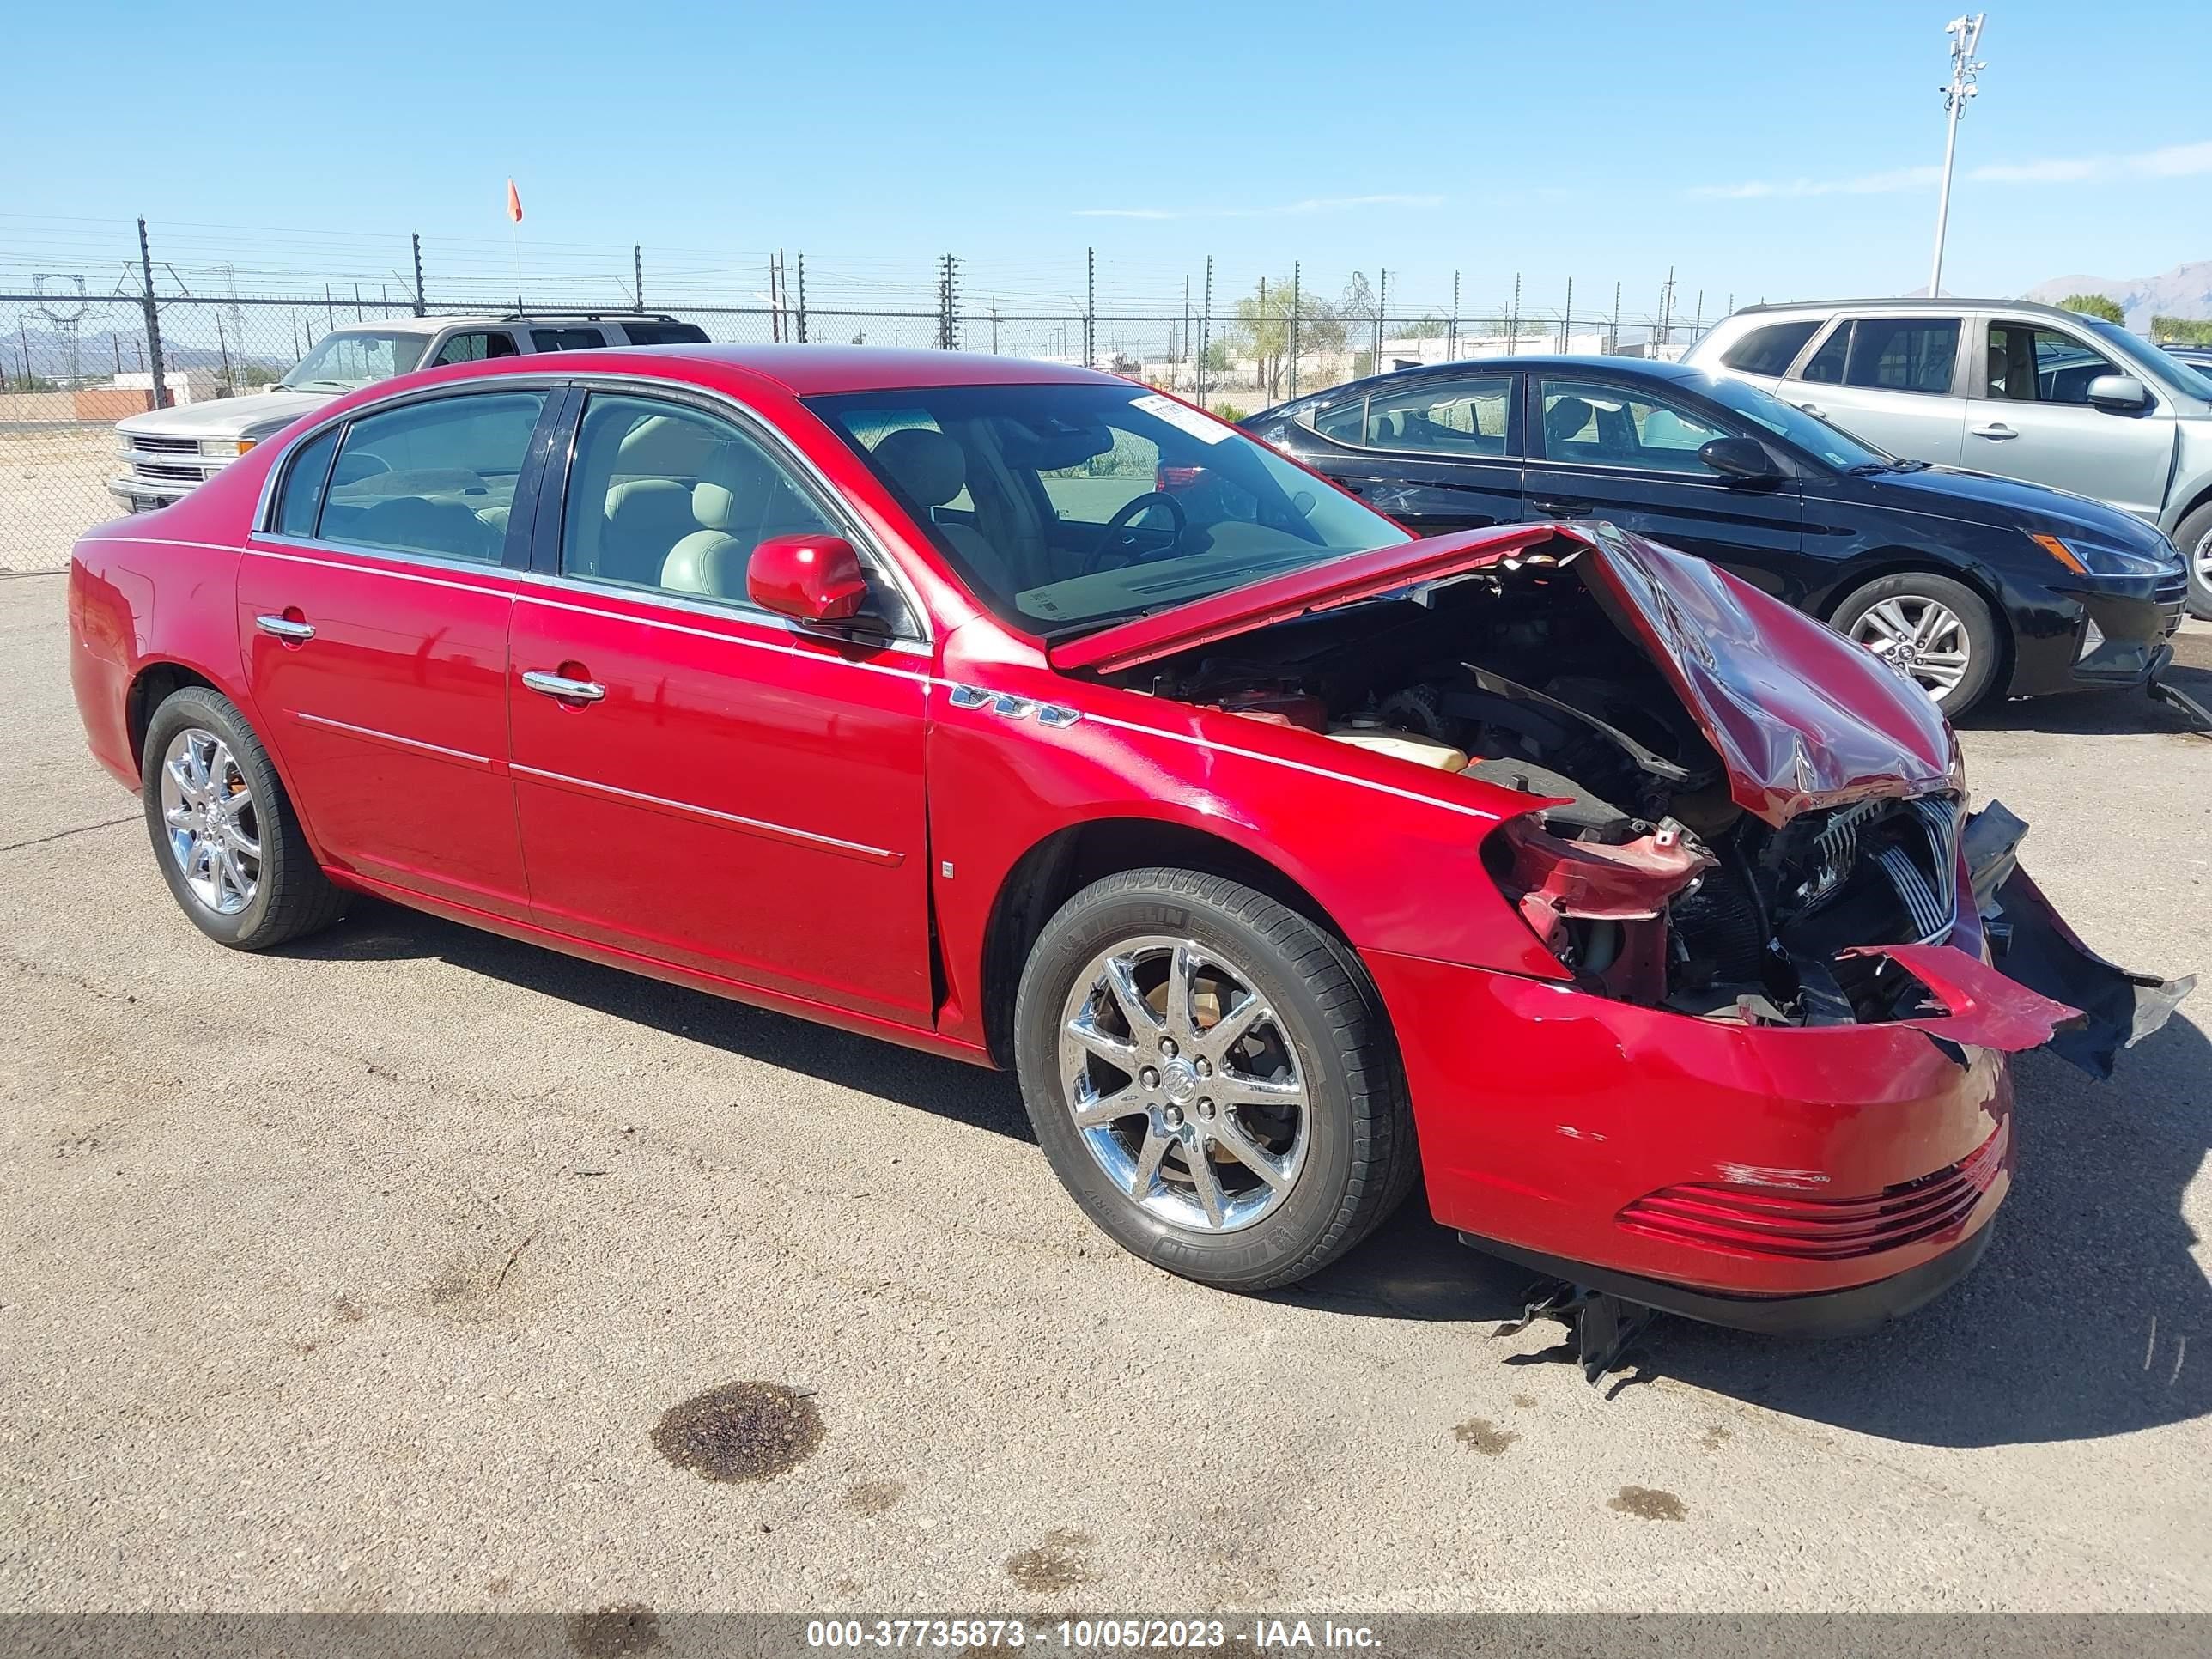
1975,585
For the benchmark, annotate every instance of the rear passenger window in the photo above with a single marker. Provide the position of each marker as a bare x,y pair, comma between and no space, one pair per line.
476,346
1903,353
435,478
1827,365
670,498
1772,349
566,339
302,496
1445,416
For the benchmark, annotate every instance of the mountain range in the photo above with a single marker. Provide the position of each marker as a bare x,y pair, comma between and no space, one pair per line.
2185,291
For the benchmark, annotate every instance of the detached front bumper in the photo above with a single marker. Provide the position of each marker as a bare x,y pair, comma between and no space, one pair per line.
2113,636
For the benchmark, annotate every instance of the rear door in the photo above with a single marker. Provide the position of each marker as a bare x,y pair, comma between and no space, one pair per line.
2031,419
1898,382
700,780
1627,453
1437,453
374,611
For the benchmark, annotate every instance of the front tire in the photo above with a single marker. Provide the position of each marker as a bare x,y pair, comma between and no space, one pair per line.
224,833
1938,633
1212,1078
2193,536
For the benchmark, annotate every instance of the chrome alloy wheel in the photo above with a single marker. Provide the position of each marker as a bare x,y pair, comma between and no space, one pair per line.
214,832
1923,639
2201,556
1184,1082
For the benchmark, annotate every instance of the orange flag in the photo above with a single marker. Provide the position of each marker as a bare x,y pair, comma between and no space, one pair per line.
514,204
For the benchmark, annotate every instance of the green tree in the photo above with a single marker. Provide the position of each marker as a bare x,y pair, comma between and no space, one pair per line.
2181,330
2094,304
1263,323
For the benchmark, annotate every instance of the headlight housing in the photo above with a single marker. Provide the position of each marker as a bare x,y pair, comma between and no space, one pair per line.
2084,557
225,449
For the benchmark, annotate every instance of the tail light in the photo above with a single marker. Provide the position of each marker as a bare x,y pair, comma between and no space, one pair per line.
1168,480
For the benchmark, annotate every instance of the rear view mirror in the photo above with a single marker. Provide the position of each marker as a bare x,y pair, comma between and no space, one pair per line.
810,578
1744,458
2119,391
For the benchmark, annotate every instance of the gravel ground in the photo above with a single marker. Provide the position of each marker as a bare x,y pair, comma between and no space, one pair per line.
372,1276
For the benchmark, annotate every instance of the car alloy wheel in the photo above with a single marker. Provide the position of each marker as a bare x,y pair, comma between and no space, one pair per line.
1923,638
1185,1085
214,829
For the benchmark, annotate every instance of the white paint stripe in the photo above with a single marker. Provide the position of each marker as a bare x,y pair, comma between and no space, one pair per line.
759,826
375,736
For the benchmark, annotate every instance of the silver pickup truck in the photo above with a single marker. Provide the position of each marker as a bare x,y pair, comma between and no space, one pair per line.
2006,386
167,452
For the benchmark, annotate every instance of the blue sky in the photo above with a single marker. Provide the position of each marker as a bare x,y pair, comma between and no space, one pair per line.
1778,151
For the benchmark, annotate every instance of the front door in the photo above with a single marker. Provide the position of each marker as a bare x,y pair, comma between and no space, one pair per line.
375,618
1601,449
1439,453
2031,418
698,781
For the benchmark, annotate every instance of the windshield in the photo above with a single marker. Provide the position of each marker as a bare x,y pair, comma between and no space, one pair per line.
354,357
1063,507
1786,421
2145,358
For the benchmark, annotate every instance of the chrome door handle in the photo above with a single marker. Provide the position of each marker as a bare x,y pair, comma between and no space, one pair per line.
1814,410
1558,509
1994,430
285,628
560,686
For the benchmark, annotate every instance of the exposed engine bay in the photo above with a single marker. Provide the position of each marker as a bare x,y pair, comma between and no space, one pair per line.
1635,865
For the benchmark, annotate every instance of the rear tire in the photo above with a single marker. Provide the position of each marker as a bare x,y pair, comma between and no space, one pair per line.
1207,1169
224,833
1935,630
2194,538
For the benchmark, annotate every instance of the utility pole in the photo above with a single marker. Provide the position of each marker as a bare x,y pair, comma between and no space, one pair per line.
420,307
1612,340
1205,329
1257,337
1567,316
637,272
1382,300
947,328
1451,338
1513,328
1090,307
1965,35
1294,280
153,319
802,299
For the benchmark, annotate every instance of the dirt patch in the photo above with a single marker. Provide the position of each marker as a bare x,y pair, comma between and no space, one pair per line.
1057,1563
1480,1434
1646,1504
740,1431
1524,1401
348,1310
1714,1438
874,1497
612,1631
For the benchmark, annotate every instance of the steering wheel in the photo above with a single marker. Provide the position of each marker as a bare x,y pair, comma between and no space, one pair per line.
1118,535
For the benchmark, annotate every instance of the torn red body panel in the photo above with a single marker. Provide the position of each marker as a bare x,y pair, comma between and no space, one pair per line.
1984,1007
1594,880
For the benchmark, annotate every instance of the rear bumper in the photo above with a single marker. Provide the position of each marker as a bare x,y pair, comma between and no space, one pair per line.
1723,1161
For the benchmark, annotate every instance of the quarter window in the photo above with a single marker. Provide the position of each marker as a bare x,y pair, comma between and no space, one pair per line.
2041,365
1345,423
1447,416
434,478
1903,353
1772,349
303,496
670,498
1604,425
475,347
1827,367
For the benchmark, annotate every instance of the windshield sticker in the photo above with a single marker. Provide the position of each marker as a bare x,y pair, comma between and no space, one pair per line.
1203,428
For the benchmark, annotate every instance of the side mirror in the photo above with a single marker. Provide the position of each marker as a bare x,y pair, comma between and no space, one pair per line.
812,578
2121,393
1742,458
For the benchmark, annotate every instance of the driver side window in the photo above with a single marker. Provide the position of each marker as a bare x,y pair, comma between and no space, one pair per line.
1603,425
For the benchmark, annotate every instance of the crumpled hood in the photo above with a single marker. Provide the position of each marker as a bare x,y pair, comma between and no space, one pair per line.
1801,717
228,417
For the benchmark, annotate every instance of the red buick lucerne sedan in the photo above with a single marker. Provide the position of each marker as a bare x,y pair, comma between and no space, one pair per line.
1029,716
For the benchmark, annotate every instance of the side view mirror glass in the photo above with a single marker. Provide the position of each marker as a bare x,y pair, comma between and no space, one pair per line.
1739,458
2119,391
810,578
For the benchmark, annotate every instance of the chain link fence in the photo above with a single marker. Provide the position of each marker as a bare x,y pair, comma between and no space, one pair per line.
75,360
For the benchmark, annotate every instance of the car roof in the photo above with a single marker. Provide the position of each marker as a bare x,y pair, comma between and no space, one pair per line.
431,324
1564,362
806,371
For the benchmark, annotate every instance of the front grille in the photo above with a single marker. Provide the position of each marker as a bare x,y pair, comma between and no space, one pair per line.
1746,1220
149,446
2173,589
1916,846
167,472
